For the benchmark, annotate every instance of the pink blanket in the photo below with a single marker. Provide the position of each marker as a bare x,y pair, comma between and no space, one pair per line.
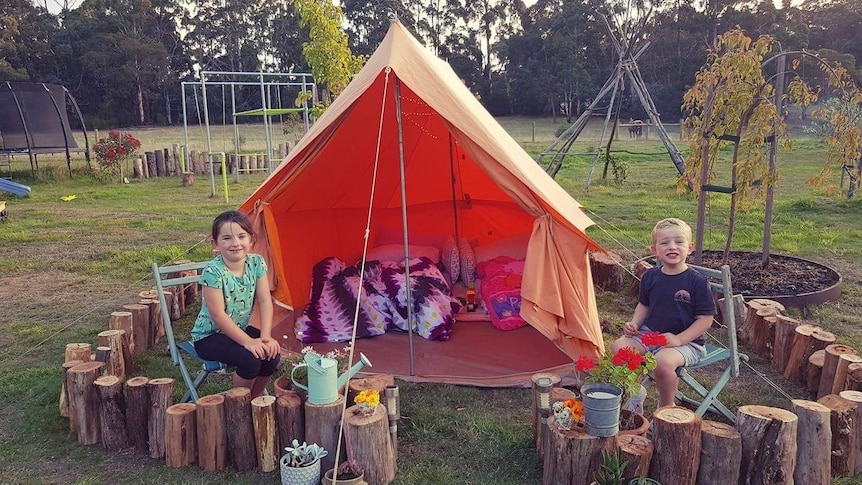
500,290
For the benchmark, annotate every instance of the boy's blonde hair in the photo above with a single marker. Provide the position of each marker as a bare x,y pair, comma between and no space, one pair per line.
672,223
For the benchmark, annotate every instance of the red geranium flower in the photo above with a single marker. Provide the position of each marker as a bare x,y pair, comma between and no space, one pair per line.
653,339
585,363
635,361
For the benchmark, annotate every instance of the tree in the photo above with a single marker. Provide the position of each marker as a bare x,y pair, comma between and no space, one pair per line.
368,21
332,63
733,99
25,36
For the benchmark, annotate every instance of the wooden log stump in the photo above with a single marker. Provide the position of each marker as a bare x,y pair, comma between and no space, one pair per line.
188,179
854,377
812,373
368,437
608,273
561,394
116,364
241,449
757,331
721,454
140,327
794,370
856,398
785,329
638,270
321,426
265,438
211,436
768,444
138,412
842,372
160,391
291,422
814,443
84,401
138,168
677,441
64,392
572,456
157,328
375,382
112,413
180,435
123,321
78,351
160,163
841,416
830,368
103,354
636,451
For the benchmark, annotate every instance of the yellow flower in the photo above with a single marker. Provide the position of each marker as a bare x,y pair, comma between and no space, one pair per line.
368,397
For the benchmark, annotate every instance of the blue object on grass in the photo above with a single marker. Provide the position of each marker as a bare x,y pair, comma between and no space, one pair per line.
14,188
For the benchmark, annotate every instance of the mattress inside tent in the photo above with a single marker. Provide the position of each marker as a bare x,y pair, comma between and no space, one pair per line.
478,354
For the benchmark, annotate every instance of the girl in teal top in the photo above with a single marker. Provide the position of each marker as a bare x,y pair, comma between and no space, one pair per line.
233,283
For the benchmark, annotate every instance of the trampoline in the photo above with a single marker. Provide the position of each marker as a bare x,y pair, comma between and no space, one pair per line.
34,120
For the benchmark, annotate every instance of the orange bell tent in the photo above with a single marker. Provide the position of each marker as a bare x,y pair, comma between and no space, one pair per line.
462,174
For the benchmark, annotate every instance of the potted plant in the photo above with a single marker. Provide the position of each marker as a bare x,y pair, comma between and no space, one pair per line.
611,470
644,481
292,359
609,380
349,472
300,465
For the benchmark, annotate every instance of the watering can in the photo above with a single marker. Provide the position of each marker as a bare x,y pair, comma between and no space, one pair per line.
323,379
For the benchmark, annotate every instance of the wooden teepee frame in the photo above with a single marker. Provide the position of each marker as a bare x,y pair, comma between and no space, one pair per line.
626,69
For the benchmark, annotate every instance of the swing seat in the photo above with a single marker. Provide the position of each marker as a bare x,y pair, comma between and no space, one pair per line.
707,399
164,277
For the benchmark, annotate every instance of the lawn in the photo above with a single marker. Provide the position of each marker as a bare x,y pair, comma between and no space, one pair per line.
65,266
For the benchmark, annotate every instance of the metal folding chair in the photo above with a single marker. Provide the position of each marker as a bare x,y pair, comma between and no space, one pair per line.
715,354
161,275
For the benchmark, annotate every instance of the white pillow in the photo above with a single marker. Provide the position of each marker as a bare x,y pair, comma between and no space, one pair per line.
451,258
468,262
395,253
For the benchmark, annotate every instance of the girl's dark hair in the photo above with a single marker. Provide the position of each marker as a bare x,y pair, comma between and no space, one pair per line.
236,217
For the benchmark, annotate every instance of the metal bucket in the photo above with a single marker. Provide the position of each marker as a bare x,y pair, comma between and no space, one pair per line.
601,408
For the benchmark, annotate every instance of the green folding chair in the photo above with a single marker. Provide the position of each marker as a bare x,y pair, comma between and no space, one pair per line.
161,275
707,399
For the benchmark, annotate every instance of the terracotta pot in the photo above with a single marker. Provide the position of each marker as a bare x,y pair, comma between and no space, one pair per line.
327,479
640,422
282,385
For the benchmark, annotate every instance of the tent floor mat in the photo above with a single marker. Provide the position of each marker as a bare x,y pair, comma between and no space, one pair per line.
478,354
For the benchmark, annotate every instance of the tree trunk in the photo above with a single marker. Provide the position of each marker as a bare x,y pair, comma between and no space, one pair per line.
785,329
160,391
84,401
211,436
240,430
368,437
677,441
814,443
180,435
801,342
812,374
856,398
572,457
321,426
607,271
291,422
721,456
842,412
265,438
768,445
64,390
140,327
123,321
116,364
78,351
138,412
112,412
830,368
637,452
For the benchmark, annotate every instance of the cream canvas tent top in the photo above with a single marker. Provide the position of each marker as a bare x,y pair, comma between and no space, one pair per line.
463,174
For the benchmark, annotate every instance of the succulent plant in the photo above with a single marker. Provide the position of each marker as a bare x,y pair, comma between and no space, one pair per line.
611,470
350,469
304,454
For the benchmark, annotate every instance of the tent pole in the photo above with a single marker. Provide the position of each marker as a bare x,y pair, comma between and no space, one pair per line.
409,299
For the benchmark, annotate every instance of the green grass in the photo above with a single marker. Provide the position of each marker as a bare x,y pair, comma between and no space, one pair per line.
66,265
